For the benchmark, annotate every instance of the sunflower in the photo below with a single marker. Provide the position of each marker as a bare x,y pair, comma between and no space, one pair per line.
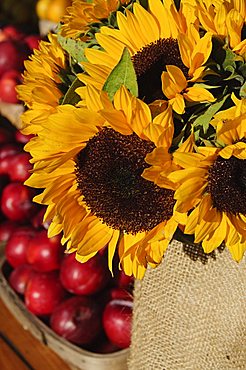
167,53
90,161
230,128
226,19
211,185
40,89
82,13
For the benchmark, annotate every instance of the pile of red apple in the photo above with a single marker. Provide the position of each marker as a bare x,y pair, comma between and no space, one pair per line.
15,47
81,302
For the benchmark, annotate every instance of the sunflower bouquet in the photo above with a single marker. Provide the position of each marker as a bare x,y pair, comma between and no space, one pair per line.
138,110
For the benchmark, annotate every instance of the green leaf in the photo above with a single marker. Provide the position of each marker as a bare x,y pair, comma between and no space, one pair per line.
122,74
71,97
203,120
75,48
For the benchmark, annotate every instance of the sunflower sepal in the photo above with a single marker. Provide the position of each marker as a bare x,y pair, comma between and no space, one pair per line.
71,97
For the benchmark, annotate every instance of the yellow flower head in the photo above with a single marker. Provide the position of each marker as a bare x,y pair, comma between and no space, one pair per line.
81,14
211,188
167,53
90,162
40,90
152,40
224,18
230,125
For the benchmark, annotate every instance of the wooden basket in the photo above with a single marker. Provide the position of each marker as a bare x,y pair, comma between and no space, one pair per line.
75,357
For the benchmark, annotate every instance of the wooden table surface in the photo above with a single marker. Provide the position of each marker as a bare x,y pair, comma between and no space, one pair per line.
19,350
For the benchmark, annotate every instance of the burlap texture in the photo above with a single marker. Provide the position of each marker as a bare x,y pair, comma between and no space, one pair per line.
189,315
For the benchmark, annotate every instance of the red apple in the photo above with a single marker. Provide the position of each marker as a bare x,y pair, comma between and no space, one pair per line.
78,320
37,220
84,278
6,136
16,202
3,180
33,41
120,293
43,253
5,165
6,155
117,322
7,228
7,91
11,57
109,294
104,346
9,149
8,83
20,167
21,138
3,37
44,292
124,281
11,32
19,278
16,247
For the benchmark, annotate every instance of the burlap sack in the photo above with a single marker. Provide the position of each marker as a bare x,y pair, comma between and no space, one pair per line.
189,315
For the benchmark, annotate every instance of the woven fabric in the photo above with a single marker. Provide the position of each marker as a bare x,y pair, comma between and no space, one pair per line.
189,315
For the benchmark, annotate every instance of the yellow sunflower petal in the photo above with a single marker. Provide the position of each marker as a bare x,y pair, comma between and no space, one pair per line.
201,52
177,76
123,101
148,25
112,248
194,186
178,103
185,48
117,121
93,101
173,81
160,13
234,22
205,228
212,242
96,237
192,221
98,57
237,250
141,118
198,94
187,160
113,46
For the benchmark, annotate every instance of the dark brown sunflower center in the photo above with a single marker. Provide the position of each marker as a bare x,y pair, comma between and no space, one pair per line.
150,62
227,185
109,177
